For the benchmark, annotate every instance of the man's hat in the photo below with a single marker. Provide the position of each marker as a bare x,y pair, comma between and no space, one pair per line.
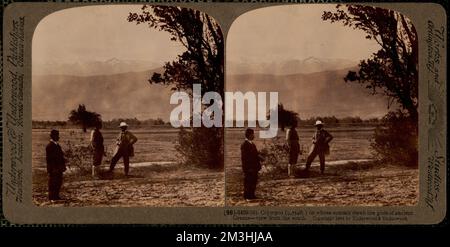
318,122
123,124
248,132
54,132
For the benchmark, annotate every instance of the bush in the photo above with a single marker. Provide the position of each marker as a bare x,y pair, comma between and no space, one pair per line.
78,157
396,140
201,147
275,154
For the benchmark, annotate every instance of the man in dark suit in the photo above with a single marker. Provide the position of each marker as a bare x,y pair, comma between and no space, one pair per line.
56,166
250,164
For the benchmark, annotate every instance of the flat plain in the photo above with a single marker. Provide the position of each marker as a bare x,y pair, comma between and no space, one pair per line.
352,177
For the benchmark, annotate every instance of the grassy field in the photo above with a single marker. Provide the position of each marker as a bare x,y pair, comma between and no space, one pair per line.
166,184
351,178
348,143
153,145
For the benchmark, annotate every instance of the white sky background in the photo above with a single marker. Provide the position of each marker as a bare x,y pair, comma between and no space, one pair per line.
275,34
99,33
272,34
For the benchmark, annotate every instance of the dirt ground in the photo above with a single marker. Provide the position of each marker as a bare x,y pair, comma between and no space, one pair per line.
351,184
171,185
157,185
164,185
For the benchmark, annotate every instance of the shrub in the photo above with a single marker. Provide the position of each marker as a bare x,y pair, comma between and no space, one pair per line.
201,147
275,154
79,157
396,140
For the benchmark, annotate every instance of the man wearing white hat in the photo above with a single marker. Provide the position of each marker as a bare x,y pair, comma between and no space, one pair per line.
320,146
124,148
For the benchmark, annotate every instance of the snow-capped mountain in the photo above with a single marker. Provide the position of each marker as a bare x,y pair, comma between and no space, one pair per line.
292,66
92,68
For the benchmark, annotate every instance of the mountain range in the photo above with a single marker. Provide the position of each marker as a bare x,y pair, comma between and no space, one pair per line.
128,95
292,66
315,94
91,68
125,95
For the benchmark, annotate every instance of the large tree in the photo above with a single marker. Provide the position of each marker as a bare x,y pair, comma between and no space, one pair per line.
200,63
286,118
84,118
393,70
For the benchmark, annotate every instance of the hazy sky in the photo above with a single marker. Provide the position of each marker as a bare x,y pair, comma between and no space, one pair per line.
275,33
294,32
98,33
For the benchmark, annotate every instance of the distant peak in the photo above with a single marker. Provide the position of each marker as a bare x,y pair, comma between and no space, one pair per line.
311,58
112,60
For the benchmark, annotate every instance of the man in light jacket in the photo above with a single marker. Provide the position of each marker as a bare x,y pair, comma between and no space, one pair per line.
320,146
124,148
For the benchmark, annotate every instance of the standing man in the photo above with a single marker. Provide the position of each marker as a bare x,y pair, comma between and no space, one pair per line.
294,147
56,166
250,164
98,148
320,146
124,148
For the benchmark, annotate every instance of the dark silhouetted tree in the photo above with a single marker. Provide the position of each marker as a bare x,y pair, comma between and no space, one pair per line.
394,140
201,63
84,118
392,70
286,117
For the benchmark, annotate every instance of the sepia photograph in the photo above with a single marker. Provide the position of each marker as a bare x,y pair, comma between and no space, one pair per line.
224,113
347,84
102,81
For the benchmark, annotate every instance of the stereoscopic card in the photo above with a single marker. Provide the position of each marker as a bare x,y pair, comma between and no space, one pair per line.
224,113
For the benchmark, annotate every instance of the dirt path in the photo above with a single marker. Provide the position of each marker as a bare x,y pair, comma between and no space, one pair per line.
148,186
165,185
351,184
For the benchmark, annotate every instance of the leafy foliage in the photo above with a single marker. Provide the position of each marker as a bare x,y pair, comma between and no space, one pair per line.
393,70
275,154
79,157
286,117
396,140
201,63
84,118
196,147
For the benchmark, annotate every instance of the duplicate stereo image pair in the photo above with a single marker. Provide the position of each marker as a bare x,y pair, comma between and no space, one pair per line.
314,105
